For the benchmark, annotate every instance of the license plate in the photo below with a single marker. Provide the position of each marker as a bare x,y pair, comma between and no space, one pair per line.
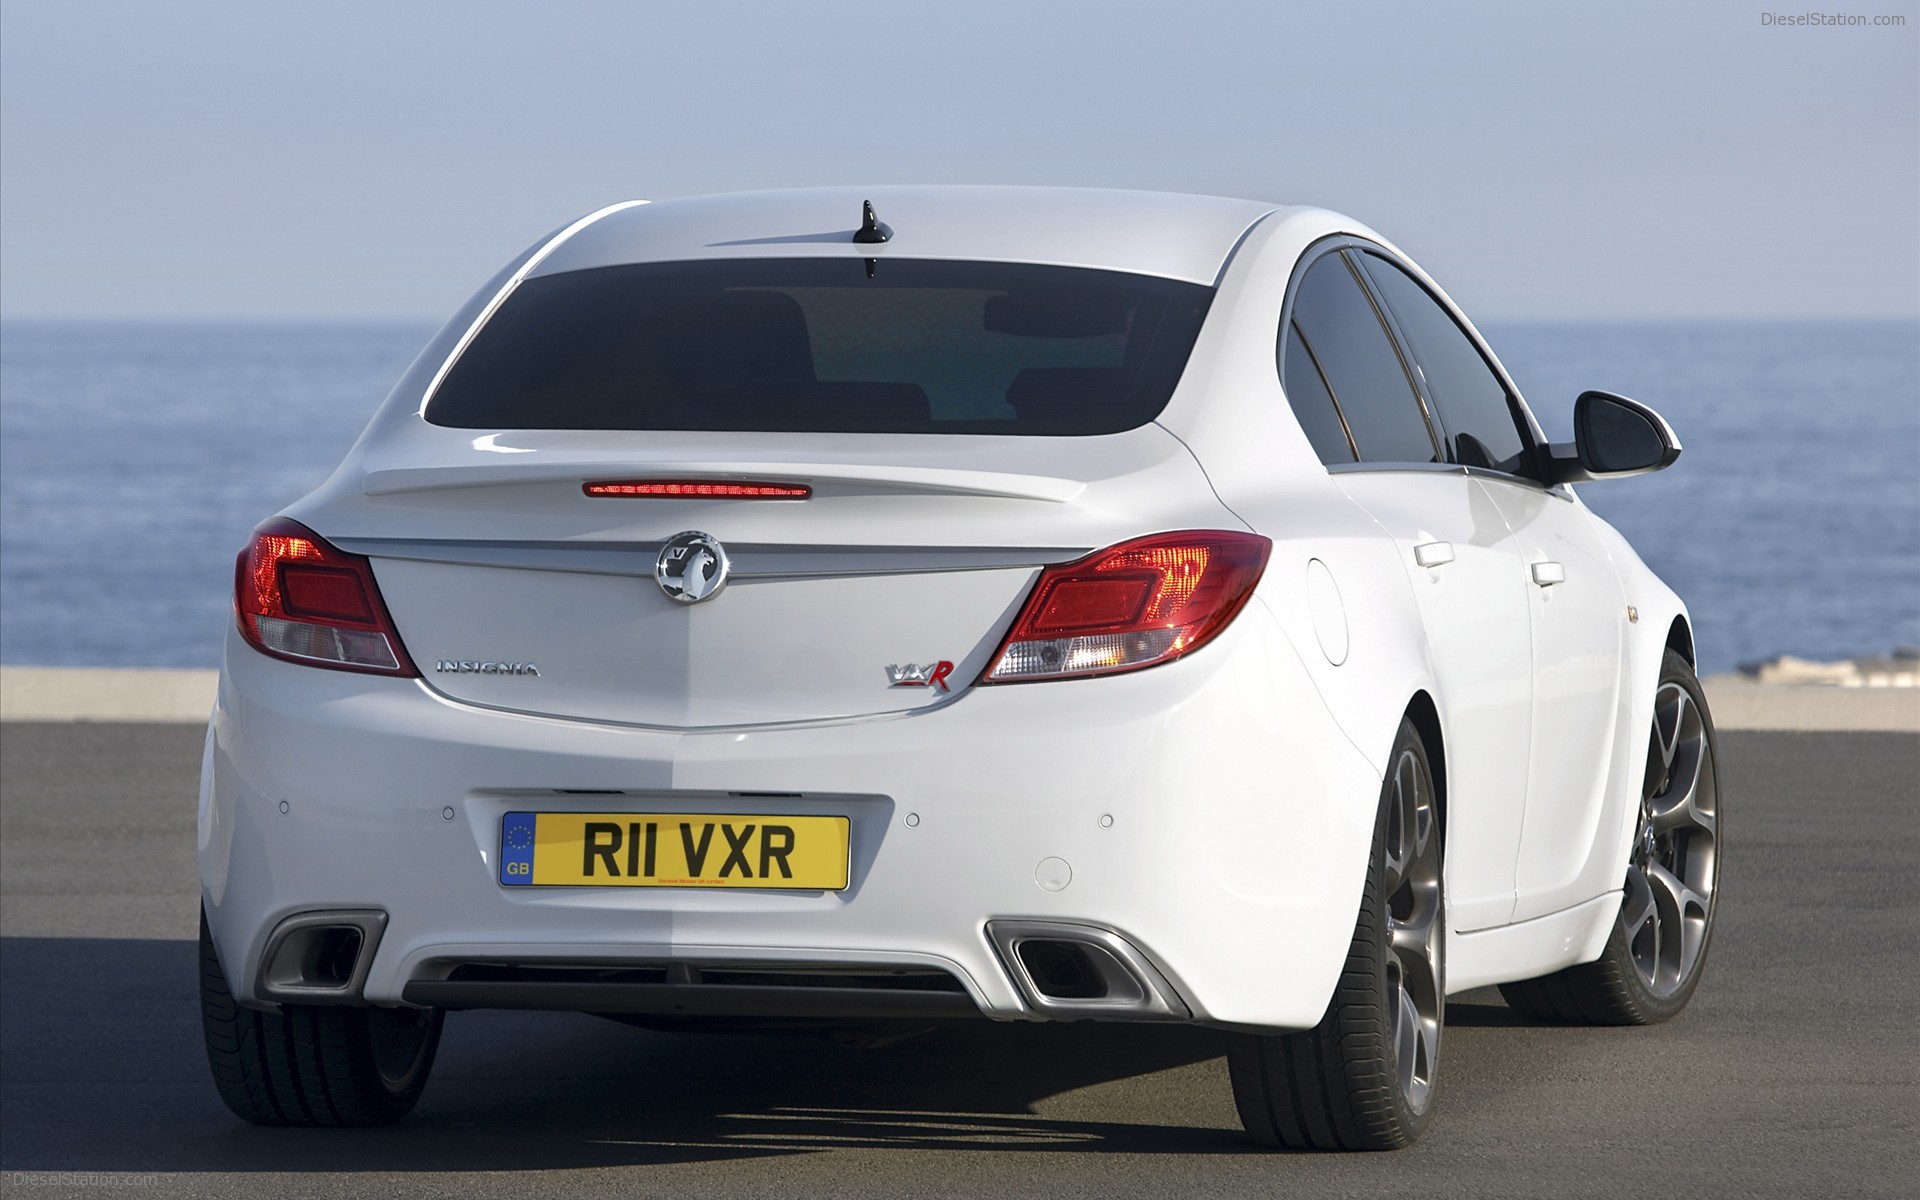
549,849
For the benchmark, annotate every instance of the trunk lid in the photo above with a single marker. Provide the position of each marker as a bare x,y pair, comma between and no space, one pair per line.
512,588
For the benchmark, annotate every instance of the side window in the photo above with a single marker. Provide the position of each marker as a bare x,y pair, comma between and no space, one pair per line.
1360,365
1471,404
1312,402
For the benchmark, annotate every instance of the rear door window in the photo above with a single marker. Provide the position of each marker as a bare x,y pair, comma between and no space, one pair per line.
1358,360
1477,419
820,345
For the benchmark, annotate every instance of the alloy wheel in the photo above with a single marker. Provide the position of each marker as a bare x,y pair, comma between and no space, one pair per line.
1414,929
1673,868
401,1039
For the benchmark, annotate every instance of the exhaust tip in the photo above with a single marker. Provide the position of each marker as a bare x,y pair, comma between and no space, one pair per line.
1081,972
332,955
320,957
1061,970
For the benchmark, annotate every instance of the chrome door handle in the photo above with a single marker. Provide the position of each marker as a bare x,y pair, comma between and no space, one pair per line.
1433,554
1546,574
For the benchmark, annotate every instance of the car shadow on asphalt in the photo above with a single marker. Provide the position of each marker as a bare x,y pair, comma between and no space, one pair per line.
1489,1012
102,1069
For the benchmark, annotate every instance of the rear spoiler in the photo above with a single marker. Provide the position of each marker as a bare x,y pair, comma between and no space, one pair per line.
393,481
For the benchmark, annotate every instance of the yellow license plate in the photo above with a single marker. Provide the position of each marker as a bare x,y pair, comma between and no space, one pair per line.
673,850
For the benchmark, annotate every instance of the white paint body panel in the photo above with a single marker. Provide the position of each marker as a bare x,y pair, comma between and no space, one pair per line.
1578,631
1470,609
1241,782
776,651
1193,859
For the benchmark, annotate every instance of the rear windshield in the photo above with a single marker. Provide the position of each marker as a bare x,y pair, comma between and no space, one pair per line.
816,345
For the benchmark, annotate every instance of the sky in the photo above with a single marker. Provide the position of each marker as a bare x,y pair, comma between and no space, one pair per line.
1617,160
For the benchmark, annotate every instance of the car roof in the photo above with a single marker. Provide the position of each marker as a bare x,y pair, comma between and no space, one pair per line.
1150,233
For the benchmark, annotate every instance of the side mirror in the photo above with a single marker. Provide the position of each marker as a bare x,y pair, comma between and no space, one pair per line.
1613,437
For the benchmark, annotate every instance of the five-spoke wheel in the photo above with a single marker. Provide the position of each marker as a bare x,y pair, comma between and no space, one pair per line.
1671,872
1414,935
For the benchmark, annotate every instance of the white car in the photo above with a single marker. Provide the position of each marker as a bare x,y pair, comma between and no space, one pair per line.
941,602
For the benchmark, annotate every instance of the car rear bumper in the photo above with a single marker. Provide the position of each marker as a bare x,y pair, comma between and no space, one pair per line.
1209,816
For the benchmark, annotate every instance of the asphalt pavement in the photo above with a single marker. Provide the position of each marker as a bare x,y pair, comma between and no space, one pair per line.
1793,1073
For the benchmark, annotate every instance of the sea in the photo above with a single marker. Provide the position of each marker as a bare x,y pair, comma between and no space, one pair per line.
135,457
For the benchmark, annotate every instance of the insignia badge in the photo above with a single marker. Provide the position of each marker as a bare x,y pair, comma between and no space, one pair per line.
468,666
692,567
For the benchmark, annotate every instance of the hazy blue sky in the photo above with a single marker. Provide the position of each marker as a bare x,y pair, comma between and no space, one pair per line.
1590,159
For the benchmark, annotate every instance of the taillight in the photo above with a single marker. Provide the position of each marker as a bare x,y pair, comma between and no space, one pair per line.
1134,605
298,598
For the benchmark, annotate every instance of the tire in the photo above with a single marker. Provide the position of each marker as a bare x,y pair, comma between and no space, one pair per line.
1363,1079
313,1065
1657,950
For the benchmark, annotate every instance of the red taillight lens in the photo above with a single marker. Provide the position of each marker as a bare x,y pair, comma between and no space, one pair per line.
1135,605
701,489
298,598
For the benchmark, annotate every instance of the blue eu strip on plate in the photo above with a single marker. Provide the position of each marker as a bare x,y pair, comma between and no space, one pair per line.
516,849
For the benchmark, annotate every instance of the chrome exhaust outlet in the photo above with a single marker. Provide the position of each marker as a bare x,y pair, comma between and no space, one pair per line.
1083,972
320,957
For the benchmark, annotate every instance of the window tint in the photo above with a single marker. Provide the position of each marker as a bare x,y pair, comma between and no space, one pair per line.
817,345
1312,402
1472,405
1360,364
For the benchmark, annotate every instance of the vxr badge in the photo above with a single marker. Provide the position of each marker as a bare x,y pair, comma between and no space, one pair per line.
931,675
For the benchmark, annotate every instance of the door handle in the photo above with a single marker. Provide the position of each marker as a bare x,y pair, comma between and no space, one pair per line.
1546,574
1433,554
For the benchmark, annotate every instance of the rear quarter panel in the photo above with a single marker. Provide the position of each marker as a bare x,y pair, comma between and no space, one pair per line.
1231,412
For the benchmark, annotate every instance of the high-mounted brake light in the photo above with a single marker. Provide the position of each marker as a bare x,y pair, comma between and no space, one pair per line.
298,598
707,489
1134,605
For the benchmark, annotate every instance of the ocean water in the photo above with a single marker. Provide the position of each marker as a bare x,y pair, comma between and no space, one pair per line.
134,458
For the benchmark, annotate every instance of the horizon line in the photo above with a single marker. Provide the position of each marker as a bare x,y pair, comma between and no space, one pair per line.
322,318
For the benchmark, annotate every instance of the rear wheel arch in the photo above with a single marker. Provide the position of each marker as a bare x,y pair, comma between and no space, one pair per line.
1425,716
1363,1078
